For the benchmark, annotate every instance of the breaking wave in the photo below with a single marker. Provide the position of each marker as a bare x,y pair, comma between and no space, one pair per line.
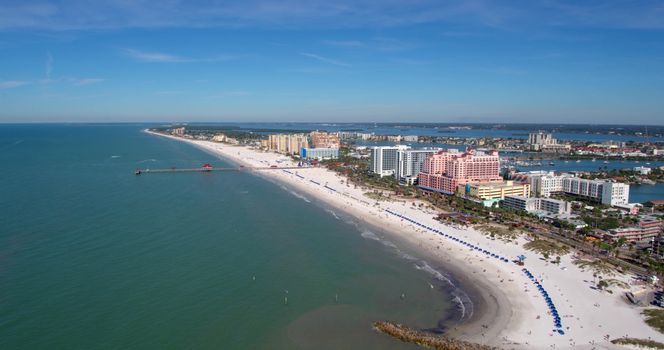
295,194
333,213
464,304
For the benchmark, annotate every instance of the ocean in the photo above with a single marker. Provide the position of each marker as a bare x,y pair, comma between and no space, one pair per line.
94,257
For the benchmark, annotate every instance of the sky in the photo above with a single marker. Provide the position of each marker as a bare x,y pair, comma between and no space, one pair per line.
545,61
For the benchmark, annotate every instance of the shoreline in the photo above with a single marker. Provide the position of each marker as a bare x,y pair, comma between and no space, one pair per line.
484,305
507,310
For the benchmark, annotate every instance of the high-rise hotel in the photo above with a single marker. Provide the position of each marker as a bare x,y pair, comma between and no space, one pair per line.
446,170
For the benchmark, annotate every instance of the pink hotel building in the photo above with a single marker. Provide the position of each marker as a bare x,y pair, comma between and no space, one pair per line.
445,170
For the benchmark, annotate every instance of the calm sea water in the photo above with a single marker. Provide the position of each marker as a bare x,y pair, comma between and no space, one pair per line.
93,257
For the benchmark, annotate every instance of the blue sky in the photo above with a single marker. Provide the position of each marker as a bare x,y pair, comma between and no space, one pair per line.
429,61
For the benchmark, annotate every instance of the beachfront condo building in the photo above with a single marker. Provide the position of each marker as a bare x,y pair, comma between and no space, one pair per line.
446,170
178,131
604,191
384,159
545,206
321,139
410,162
287,143
319,153
607,192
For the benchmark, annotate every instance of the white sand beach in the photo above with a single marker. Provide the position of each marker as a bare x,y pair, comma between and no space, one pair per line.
514,314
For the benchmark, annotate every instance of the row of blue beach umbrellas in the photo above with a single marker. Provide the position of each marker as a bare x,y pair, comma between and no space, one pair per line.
554,312
467,244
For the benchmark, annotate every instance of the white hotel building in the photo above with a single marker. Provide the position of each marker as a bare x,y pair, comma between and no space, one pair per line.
409,163
400,161
531,205
384,159
604,191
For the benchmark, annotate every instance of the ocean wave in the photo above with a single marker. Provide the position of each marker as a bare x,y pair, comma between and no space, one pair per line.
464,304
403,255
115,157
424,266
146,160
295,194
459,297
333,213
369,235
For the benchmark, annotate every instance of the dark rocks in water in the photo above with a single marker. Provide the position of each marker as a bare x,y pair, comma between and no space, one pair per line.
426,339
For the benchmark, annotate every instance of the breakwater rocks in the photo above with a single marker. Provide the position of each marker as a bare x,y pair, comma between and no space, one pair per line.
425,339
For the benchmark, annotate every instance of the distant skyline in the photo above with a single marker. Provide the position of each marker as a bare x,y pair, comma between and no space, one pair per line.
473,61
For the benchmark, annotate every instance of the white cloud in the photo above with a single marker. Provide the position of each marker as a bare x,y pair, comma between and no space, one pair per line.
231,93
344,43
325,59
49,65
154,56
9,84
85,81
298,14
161,57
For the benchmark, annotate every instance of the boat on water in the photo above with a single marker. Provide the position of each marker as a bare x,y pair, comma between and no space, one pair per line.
137,172
593,160
551,164
606,162
578,160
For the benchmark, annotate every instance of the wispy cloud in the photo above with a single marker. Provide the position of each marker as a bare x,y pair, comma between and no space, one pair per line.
324,59
502,70
375,43
298,14
155,56
49,65
161,57
85,81
9,84
231,93
344,43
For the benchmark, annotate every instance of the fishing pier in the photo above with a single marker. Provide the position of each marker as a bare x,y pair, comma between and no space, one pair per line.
209,168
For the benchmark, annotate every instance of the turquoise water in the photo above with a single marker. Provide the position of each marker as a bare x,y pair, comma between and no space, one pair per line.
93,257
